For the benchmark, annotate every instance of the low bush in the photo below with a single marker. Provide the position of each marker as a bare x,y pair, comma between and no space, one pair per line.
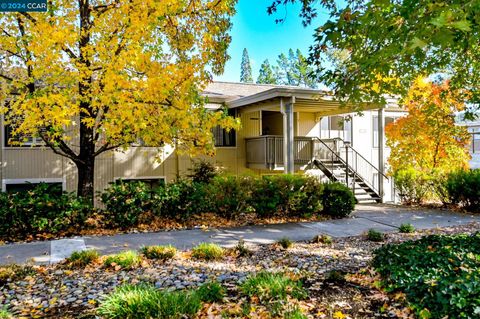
125,202
203,172
375,235
463,188
207,251
267,287
338,200
159,252
144,301
290,195
82,258
413,186
406,228
322,239
14,272
440,275
126,260
43,209
242,250
285,242
211,292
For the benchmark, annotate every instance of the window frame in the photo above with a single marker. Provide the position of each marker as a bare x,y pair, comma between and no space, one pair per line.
375,123
9,181
224,132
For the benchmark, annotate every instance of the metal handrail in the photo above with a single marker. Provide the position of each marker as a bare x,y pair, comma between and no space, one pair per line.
362,157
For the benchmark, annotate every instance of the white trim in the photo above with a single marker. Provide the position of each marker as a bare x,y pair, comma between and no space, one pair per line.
7,181
140,178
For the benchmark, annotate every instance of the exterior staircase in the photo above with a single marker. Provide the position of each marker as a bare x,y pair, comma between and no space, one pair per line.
331,157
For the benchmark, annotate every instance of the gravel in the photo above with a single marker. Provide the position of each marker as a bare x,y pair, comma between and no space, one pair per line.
55,289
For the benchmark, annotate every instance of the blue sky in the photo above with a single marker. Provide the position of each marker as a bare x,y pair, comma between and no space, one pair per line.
255,30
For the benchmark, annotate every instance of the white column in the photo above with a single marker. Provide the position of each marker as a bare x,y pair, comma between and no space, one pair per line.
288,140
381,162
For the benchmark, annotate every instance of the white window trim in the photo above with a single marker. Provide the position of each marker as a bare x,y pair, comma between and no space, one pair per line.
39,144
8,181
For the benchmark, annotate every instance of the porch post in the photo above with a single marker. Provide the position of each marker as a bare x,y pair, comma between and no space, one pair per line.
381,162
288,147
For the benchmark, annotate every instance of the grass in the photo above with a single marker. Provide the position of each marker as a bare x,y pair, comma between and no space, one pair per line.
211,292
294,314
322,239
14,272
159,252
4,314
406,228
82,258
208,251
126,260
375,235
145,301
285,242
267,286
242,250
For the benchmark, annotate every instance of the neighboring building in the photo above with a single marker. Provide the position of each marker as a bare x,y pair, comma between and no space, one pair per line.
473,128
311,126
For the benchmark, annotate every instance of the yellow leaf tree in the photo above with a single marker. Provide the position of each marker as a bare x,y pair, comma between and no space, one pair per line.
89,76
427,139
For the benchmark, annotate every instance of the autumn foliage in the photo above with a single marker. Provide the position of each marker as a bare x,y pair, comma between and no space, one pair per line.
91,76
427,139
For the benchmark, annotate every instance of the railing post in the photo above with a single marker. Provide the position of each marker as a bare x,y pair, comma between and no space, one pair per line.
346,160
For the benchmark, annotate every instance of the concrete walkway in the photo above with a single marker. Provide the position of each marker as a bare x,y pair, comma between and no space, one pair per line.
380,217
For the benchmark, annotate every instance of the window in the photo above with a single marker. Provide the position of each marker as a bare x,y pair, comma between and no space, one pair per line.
388,120
56,185
19,141
151,182
475,148
343,127
224,138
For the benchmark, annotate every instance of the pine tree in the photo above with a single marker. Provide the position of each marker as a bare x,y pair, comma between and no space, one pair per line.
266,74
246,68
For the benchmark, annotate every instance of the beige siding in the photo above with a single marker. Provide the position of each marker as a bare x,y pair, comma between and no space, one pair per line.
29,162
307,126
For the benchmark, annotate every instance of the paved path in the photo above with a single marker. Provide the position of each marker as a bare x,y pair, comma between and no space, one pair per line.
381,217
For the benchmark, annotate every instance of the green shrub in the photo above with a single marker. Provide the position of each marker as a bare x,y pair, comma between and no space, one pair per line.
5,314
126,260
375,235
181,199
338,200
463,188
159,252
125,202
228,196
203,172
413,186
143,301
285,242
242,250
290,195
406,228
335,276
440,275
322,239
14,272
269,287
82,258
211,292
207,251
43,209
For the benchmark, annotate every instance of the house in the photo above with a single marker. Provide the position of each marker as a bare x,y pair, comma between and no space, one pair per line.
284,129
473,128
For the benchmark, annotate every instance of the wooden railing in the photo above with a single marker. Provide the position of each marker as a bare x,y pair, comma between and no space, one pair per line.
267,151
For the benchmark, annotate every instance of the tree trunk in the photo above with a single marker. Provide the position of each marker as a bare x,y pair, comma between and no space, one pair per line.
85,187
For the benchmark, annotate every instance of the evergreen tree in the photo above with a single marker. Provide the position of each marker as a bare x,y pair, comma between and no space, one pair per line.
246,71
294,70
266,74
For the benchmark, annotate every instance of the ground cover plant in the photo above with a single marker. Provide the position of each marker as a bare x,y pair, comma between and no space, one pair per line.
82,258
144,301
406,228
375,235
159,252
126,260
440,275
208,251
